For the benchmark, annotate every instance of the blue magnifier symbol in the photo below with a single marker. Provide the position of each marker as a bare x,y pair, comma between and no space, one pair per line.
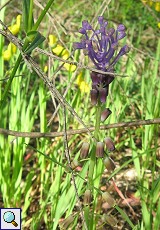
9,217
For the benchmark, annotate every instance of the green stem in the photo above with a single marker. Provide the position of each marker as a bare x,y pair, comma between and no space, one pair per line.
93,163
98,120
93,152
30,16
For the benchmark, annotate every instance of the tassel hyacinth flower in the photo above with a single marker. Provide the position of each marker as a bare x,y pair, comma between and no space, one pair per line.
102,48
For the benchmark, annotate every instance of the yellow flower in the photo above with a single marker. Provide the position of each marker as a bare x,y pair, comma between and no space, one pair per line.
84,87
15,27
158,24
70,67
65,56
157,6
60,50
18,19
79,79
67,66
11,49
45,69
14,48
7,55
52,40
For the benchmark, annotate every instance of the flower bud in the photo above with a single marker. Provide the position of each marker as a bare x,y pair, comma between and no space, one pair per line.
66,222
74,164
99,204
109,144
110,219
121,27
84,150
105,114
100,149
108,198
103,93
109,164
87,197
94,96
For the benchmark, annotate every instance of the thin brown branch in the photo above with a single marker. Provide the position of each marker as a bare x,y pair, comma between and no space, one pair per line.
79,131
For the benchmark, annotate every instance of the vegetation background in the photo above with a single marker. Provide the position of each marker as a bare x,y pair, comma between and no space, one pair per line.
33,172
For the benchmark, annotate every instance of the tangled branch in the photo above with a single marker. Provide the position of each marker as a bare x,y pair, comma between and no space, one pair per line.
79,131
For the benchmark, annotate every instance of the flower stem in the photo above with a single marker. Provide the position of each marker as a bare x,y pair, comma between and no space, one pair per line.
93,163
93,152
98,120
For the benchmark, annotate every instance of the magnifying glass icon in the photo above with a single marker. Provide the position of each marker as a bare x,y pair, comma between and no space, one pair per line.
9,217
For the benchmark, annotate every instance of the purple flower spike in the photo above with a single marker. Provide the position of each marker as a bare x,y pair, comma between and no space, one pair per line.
82,31
86,25
100,20
102,49
121,35
121,27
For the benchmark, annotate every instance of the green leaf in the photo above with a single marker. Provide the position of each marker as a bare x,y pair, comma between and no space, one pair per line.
28,21
36,39
125,217
146,216
157,222
156,189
